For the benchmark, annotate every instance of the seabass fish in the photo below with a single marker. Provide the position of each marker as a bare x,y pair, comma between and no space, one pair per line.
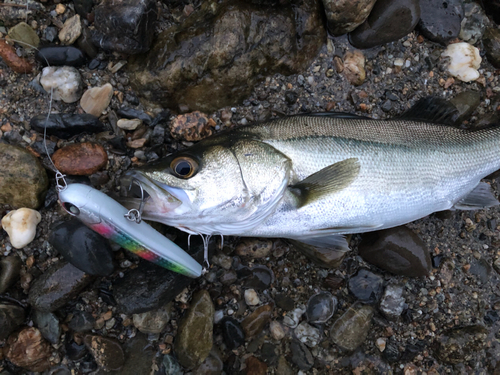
316,177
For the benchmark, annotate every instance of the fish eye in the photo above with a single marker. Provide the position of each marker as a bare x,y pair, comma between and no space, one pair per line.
184,167
71,209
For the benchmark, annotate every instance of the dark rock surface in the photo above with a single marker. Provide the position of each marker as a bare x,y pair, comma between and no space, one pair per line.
60,55
345,15
232,333
440,21
11,317
491,43
366,286
492,8
10,267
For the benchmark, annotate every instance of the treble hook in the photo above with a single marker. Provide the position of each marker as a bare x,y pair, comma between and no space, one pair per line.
61,183
136,214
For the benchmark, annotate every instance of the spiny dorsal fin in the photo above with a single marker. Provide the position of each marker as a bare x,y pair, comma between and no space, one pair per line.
432,109
326,181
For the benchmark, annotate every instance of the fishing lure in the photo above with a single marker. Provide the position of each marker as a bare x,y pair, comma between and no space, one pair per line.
110,219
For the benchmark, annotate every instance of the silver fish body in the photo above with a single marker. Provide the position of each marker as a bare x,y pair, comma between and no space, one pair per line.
307,177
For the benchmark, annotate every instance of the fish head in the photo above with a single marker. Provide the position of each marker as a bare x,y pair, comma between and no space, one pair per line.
215,187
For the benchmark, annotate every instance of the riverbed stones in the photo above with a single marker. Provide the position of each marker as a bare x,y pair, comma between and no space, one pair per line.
28,350
60,55
64,82
66,125
465,102
393,302
153,321
71,30
307,334
492,9
474,23
321,307
366,286
321,256
254,323
195,336
491,43
48,324
106,351
11,317
24,34
254,248
350,330
191,127
232,333
354,67
81,159
388,21
345,15
458,345
96,99
23,180
21,226
221,62
464,61
440,21
10,268
301,356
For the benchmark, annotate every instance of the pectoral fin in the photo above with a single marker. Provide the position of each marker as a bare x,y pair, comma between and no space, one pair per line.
326,181
480,197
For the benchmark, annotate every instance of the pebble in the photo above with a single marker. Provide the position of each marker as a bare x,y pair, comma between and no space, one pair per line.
301,356
465,102
321,256
354,67
292,318
464,60
71,30
345,15
284,367
75,350
366,286
134,114
229,278
23,180
255,367
82,247
284,302
127,124
254,248
350,330
29,350
84,43
212,365
232,333
491,43
191,127
11,317
66,125
60,55
381,343
397,250
277,331
10,268
49,326
140,356
20,225
24,35
258,277
458,345
57,286
222,260
473,24
96,99
153,321
81,159
307,334
65,82
170,365
254,323
194,338
107,352
392,303
321,307
388,21
13,61
82,321
440,21
251,297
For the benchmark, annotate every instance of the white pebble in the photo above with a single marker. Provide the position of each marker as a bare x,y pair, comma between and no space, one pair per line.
64,81
127,124
398,62
277,331
20,225
251,297
381,342
464,61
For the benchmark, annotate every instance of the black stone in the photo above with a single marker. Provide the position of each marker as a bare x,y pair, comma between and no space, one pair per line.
284,302
391,352
440,21
366,286
301,355
10,269
11,317
60,55
48,324
82,247
86,44
131,113
67,125
291,97
269,353
258,277
491,317
83,7
81,321
232,332
491,43
94,64
74,351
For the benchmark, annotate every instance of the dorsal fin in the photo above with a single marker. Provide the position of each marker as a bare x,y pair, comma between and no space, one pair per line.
432,109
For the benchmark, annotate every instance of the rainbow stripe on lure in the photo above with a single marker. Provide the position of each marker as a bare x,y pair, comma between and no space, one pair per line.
106,216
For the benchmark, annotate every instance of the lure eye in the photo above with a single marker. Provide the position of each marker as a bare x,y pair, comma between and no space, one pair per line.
184,167
71,209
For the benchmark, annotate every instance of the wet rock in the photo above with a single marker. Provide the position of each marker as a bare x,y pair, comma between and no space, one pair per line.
10,268
28,349
127,124
152,321
321,307
194,338
82,321
284,302
255,367
75,350
397,250
170,365
71,30
323,257
125,26
465,102
24,35
48,324
491,43
20,225
191,127
82,247
392,303
345,15
57,286
473,24
80,159
492,9
232,333
66,125
254,248
350,330
254,323
251,297
301,356
464,60
85,43
221,61
307,334
95,100
11,317
139,356
283,367
388,21
212,365
60,55
458,345
131,113
440,21
107,352
83,7
13,61
228,278
65,83
354,67
259,277
366,286
277,331
292,318
23,180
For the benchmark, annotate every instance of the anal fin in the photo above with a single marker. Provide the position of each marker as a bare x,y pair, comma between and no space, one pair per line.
481,197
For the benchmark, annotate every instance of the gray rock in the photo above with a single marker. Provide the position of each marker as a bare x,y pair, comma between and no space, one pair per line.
218,62
350,330
473,24
392,303
139,356
345,15
11,317
321,307
10,268
48,325
23,34
82,321
301,356
23,180
212,365
12,15
458,345
491,43
170,365
440,21
466,102
152,321
321,256
307,334
107,352
366,286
